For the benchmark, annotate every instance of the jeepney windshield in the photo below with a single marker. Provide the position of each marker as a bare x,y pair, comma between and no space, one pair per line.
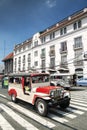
40,79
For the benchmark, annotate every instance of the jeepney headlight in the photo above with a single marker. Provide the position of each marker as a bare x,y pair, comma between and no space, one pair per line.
62,90
52,93
67,94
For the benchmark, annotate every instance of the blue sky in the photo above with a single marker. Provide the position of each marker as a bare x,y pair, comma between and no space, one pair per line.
20,19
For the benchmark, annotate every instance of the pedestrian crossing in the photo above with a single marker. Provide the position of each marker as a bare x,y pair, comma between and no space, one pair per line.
78,107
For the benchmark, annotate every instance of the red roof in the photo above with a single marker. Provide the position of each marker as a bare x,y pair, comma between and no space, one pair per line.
10,56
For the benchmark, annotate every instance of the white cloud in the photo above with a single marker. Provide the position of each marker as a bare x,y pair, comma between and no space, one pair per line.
51,3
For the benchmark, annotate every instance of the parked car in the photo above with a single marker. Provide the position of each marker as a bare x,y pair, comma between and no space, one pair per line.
81,82
62,83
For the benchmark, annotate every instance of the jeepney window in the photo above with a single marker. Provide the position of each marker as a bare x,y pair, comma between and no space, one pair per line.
40,79
14,80
27,81
11,80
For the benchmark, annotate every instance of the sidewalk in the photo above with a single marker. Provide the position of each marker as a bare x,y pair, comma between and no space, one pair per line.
4,91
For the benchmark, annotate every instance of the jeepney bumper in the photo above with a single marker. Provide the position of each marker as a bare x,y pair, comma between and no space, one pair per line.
58,101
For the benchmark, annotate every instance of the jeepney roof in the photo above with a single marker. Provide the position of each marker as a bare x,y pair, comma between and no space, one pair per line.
26,74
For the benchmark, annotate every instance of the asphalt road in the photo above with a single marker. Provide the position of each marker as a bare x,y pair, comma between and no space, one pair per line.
23,116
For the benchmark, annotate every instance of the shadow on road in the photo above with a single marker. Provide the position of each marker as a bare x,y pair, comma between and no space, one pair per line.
76,88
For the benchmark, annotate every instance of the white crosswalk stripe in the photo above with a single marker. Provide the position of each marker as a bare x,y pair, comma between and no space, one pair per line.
78,106
33,116
66,114
4,124
18,118
75,111
56,118
77,100
2,95
77,103
38,118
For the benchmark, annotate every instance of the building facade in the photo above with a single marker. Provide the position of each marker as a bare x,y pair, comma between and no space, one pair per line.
61,47
8,64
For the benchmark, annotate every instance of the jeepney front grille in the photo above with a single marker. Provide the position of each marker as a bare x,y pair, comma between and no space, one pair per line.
56,93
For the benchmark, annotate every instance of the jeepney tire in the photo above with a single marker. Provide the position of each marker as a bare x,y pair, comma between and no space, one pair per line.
42,107
64,105
13,98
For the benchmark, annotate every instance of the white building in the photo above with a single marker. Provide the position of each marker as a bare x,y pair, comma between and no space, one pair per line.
59,47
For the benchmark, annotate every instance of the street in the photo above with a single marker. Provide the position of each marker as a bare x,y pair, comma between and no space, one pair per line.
21,115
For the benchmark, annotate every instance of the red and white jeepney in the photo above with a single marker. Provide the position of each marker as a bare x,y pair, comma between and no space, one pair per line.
35,89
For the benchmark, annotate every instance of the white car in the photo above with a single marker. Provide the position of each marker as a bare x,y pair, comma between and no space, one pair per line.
62,83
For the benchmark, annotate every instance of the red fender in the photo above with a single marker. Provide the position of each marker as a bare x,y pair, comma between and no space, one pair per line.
12,91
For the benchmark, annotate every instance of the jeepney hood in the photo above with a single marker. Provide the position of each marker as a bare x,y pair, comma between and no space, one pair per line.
45,89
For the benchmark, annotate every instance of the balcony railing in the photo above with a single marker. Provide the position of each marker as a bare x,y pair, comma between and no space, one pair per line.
78,63
64,65
77,47
63,51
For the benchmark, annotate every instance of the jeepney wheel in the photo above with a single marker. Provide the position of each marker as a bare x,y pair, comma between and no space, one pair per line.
64,105
13,98
41,107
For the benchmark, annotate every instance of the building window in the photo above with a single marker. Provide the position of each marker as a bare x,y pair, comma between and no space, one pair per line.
29,57
29,45
52,35
64,59
77,25
52,63
63,31
78,54
29,66
35,43
23,66
78,58
63,63
23,58
36,53
15,64
36,63
52,50
43,53
43,39
78,42
43,64
63,46
19,63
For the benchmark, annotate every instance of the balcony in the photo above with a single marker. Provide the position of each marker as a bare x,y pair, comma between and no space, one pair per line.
78,63
77,47
63,51
64,65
